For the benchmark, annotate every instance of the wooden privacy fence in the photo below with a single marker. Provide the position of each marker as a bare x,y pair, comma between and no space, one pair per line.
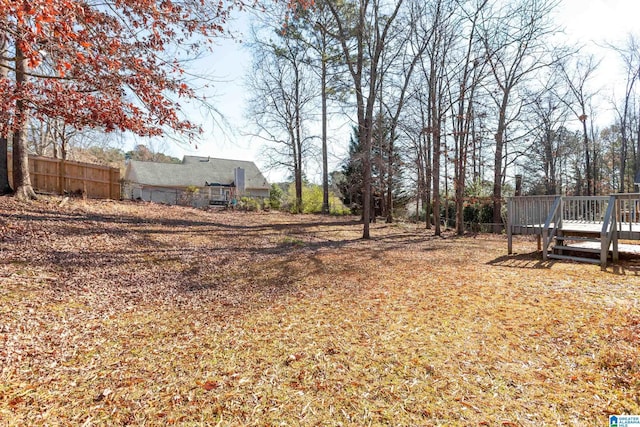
49,175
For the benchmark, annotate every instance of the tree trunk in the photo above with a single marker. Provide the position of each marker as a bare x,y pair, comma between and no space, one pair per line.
4,167
587,157
4,125
325,165
21,177
425,146
365,133
497,165
497,184
434,119
390,167
298,141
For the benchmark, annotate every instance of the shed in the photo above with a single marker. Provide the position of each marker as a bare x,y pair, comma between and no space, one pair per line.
197,181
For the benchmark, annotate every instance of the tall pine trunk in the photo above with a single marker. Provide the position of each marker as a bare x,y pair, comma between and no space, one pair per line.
325,162
497,165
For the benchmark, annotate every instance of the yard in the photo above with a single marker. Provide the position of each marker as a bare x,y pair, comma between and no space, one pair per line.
118,313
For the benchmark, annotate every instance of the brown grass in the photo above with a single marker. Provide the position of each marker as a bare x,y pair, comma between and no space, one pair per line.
119,313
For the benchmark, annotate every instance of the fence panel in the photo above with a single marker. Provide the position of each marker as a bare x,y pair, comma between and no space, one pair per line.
56,176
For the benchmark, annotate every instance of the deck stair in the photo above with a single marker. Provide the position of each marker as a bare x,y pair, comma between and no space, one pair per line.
577,228
578,248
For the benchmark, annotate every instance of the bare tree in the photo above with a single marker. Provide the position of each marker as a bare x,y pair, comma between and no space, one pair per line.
548,116
312,27
630,56
415,127
40,138
438,29
51,137
577,82
396,71
281,95
368,32
516,47
469,75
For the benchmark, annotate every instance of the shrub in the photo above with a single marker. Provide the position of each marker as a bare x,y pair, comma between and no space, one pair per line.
249,204
275,197
486,214
312,197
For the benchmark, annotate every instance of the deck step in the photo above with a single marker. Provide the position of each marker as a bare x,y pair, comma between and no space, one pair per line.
576,249
578,238
575,258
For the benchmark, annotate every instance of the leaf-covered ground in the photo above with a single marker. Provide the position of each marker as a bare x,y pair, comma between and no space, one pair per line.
137,314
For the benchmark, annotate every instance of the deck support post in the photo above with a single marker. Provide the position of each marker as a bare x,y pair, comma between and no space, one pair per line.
539,238
509,230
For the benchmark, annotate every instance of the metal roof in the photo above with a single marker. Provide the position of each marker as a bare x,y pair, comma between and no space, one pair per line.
194,170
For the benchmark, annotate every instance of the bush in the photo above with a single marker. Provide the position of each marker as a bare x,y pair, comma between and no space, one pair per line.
471,213
189,195
249,204
476,214
312,197
275,197
486,214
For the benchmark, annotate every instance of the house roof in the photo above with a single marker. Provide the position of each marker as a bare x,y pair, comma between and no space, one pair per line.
194,170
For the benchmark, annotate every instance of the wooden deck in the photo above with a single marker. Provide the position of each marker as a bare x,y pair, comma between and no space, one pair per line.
628,231
577,224
632,250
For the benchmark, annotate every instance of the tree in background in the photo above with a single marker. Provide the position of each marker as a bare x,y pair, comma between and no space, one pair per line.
351,178
313,28
362,28
516,47
312,201
282,95
50,136
397,64
143,153
440,32
108,65
547,114
576,77
275,196
628,112
468,75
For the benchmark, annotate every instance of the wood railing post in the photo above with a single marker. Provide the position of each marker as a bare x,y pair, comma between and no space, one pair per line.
617,218
509,225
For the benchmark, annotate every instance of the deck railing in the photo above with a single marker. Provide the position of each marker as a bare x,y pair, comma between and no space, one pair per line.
526,215
628,207
529,211
551,226
533,211
584,209
609,232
